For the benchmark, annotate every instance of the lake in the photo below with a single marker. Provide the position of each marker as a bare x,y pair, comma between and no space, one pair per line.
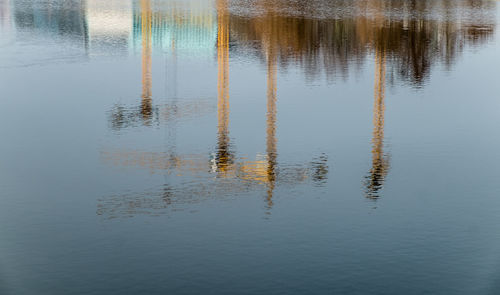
249,147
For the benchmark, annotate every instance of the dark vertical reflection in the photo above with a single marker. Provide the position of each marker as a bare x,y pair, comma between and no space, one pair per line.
320,169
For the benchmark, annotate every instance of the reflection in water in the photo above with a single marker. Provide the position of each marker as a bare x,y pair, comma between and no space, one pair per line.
319,36
271,148
146,108
224,156
403,44
109,25
62,19
190,24
234,175
332,36
125,117
407,39
5,18
380,161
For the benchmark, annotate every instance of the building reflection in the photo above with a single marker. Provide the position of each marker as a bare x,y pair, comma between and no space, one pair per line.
323,36
5,17
109,26
63,20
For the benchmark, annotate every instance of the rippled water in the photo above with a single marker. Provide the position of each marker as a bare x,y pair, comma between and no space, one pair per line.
249,147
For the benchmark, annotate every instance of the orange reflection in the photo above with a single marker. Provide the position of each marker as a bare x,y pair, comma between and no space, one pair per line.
271,148
380,161
146,22
224,157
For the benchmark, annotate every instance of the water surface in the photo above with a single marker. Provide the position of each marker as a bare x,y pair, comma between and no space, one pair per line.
249,147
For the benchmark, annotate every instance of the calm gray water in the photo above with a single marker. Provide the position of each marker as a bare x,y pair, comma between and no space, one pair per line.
249,147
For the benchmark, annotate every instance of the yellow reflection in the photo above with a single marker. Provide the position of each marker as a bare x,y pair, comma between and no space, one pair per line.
146,23
260,171
224,157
